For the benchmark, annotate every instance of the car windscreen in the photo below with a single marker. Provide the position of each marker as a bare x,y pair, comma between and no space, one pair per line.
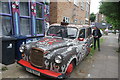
61,31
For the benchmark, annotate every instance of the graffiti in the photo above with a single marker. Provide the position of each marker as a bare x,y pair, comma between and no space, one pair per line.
73,57
63,68
32,40
46,13
33,9
48,56
51,66
46,64
25,57
55,68
15,6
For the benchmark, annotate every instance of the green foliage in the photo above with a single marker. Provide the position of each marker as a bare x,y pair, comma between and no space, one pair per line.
92,17
111,11
102,21
92,52
4,68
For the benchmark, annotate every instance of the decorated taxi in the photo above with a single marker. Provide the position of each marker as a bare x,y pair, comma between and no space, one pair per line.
56,55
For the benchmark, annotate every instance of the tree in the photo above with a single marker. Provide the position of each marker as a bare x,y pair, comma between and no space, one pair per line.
92,17
111,11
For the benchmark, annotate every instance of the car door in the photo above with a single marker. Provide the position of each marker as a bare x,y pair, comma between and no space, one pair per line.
90,37
83,41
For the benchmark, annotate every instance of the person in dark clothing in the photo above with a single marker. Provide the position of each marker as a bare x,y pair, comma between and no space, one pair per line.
96,34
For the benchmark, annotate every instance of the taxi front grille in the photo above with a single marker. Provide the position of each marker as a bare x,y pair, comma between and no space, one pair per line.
37,57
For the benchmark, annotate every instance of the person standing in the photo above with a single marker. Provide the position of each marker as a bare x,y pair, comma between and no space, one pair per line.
96,34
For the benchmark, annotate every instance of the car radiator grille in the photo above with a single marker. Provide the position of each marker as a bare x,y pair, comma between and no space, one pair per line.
36,57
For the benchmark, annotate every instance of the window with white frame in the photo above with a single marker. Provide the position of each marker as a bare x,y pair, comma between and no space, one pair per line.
88,1
69,0
87,7
82,4
76,2
66,19
75,20
87,10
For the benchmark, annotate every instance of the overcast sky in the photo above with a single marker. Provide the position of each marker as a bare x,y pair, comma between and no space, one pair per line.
94,7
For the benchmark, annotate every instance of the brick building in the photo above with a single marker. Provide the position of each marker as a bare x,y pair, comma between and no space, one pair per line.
100,18
72,11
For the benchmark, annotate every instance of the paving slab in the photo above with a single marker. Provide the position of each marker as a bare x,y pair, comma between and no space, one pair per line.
106,61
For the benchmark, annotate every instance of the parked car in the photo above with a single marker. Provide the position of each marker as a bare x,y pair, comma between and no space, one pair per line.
110,31
56,55
106,31
117,31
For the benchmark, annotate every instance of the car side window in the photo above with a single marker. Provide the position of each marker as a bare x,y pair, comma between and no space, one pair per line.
89,32
82,33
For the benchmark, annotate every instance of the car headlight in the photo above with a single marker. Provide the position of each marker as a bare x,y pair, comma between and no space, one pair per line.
22,48
58,59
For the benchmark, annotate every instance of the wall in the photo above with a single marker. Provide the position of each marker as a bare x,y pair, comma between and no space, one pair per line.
100,17
59,10
53,12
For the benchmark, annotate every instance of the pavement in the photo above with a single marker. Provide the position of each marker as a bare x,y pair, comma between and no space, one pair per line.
106,61
103,64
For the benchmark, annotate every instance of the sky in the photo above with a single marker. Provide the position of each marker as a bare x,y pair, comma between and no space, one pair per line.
94,7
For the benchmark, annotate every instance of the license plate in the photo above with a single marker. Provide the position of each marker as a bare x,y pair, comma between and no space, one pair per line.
33,71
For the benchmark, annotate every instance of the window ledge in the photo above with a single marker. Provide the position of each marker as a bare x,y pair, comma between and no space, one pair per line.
76,5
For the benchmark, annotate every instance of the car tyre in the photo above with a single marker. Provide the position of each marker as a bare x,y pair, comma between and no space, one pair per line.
70,69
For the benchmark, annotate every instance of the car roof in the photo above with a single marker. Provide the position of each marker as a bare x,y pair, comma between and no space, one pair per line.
71,25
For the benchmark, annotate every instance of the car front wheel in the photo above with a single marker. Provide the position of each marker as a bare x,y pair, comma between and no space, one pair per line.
70,68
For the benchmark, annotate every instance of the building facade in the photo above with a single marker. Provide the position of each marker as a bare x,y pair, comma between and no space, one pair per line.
100,18
24,20
30,18
71,11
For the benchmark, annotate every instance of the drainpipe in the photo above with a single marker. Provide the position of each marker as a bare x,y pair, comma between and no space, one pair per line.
33,10
15,9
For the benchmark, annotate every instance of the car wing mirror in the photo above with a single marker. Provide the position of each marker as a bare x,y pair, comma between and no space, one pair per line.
81,39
